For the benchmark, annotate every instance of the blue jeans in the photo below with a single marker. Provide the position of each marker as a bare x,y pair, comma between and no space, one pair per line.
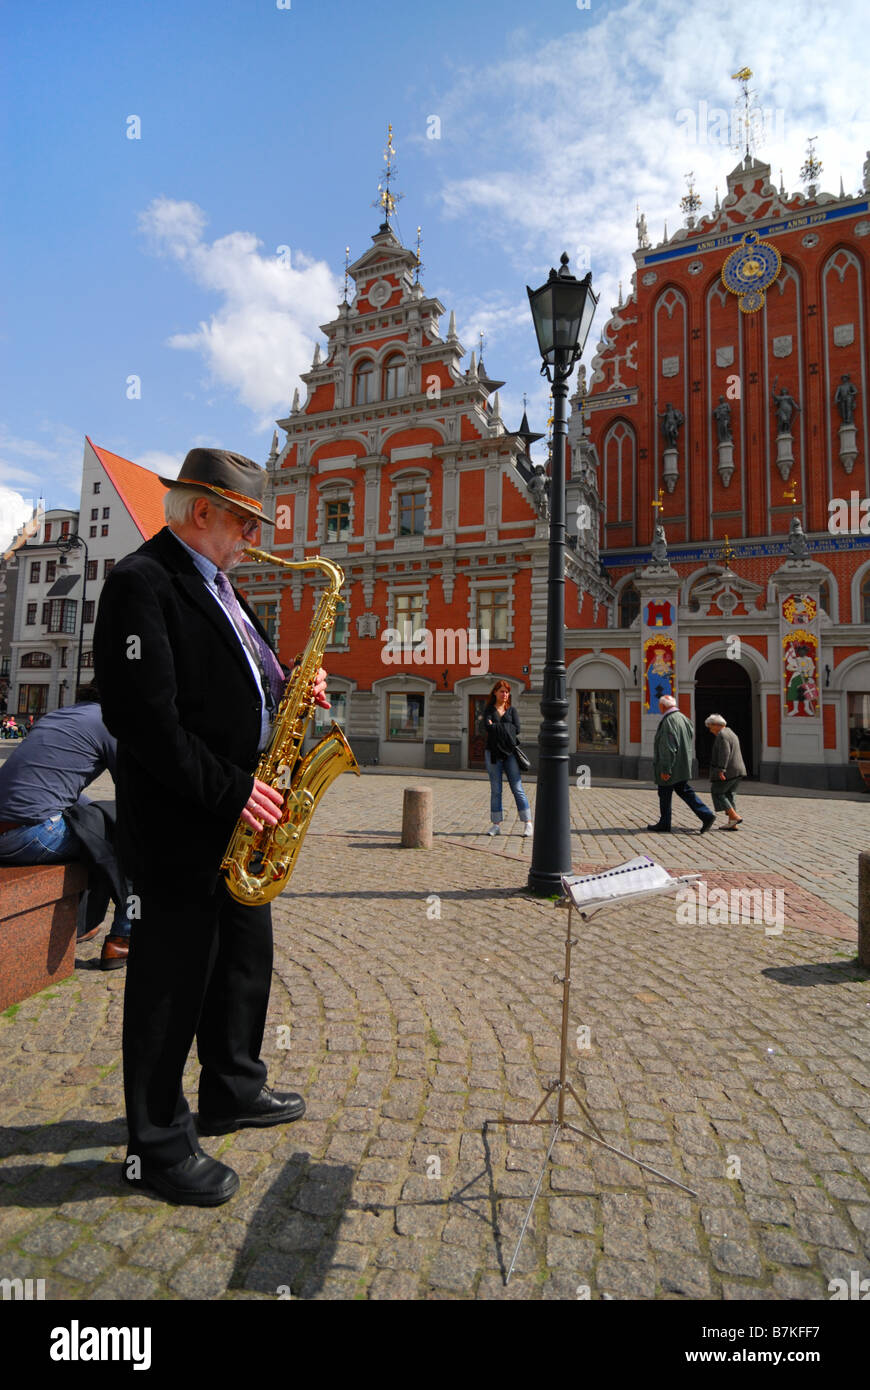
51,842
510,765
687,794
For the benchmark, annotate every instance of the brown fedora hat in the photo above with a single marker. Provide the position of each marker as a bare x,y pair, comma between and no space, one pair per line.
239,481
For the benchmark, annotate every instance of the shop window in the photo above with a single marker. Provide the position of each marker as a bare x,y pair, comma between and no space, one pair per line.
405,717
598,721
859,723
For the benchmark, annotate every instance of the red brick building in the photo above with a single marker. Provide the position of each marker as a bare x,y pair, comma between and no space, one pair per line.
399,466
731,387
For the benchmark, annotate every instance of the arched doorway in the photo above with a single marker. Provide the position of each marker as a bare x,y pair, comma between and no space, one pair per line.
723,687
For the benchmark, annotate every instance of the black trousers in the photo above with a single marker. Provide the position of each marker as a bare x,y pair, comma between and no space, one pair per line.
199,969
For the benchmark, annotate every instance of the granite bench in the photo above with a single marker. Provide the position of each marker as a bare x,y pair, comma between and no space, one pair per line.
38,910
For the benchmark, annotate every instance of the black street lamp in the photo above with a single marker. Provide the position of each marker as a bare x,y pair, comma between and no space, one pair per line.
65,544
563,310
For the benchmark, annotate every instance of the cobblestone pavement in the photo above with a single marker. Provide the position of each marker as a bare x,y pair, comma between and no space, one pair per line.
416,991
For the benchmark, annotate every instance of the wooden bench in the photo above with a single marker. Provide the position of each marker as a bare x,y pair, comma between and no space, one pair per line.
38,909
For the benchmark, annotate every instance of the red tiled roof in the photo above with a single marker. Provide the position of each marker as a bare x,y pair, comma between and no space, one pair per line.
140,490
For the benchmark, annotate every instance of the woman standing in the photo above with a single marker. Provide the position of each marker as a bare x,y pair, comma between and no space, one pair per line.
502,729
726,769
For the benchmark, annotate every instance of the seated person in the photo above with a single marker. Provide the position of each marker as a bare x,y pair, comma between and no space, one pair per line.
44,819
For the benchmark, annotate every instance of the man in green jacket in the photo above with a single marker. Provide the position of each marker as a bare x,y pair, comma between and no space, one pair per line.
672,767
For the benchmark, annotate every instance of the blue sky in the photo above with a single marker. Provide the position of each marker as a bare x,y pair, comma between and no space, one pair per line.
264,127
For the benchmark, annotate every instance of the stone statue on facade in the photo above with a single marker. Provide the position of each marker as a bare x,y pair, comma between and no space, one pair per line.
660,546
797,541
722,416
845,397
785,406
672,421
867,173
642,233
539,487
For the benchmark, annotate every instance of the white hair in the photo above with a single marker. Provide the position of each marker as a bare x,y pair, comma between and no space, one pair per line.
178,503
715,719
667,702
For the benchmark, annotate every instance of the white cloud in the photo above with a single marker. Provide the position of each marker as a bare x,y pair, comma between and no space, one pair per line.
590,122
159,462
14,509
263,332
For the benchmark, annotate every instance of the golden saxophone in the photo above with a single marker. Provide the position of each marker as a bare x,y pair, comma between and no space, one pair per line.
258,863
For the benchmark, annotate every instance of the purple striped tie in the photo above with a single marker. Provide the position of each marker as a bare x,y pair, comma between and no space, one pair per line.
260,650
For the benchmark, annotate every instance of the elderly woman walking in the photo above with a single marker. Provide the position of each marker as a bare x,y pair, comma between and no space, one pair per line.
726,769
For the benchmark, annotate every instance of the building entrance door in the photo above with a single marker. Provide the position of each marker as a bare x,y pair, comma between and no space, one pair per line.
723,687
476,741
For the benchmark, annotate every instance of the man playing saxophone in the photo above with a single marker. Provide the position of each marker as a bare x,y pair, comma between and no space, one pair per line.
189,683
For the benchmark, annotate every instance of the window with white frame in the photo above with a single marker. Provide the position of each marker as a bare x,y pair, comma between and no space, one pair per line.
364,383
412,512
408,614
395,376
405,711
337,519
492,613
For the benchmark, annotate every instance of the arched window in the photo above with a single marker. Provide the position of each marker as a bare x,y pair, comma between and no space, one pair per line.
394,377
629,605
865,599
364,383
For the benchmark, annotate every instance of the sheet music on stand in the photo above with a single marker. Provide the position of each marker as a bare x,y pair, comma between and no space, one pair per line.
637,878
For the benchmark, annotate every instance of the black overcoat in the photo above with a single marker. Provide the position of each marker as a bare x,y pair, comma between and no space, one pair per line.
178,693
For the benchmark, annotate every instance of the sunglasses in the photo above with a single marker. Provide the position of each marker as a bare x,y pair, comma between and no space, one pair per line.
250,526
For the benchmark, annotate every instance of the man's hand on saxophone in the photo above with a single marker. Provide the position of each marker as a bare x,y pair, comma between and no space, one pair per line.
263,806
320,690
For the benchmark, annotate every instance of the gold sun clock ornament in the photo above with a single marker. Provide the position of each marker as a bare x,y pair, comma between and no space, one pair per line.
750,270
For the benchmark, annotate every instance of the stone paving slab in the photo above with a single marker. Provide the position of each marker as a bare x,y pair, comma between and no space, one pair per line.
418,991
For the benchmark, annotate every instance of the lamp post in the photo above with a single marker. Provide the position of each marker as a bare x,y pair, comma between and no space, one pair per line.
562,310
65,544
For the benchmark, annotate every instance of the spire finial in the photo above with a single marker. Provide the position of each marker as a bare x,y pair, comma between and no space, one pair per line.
691,202
386,198
346,265
747,132
419,265
811,168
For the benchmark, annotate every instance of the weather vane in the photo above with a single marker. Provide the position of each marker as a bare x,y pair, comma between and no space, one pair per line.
690,204
727,554
346,265
747,131
386,198
811,168
419,262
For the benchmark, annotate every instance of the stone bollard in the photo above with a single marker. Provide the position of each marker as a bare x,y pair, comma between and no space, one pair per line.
417,818
864,910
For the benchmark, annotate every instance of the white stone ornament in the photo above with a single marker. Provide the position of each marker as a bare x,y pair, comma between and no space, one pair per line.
670,366
862,228
724,356
379,293
810,240
782,346
844,334
649,278
695,267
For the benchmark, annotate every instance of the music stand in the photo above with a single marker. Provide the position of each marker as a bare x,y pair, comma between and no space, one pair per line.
562,1086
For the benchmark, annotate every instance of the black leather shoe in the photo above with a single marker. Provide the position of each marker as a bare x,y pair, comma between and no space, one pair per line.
197,1181
659,829
709,822
270,1108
